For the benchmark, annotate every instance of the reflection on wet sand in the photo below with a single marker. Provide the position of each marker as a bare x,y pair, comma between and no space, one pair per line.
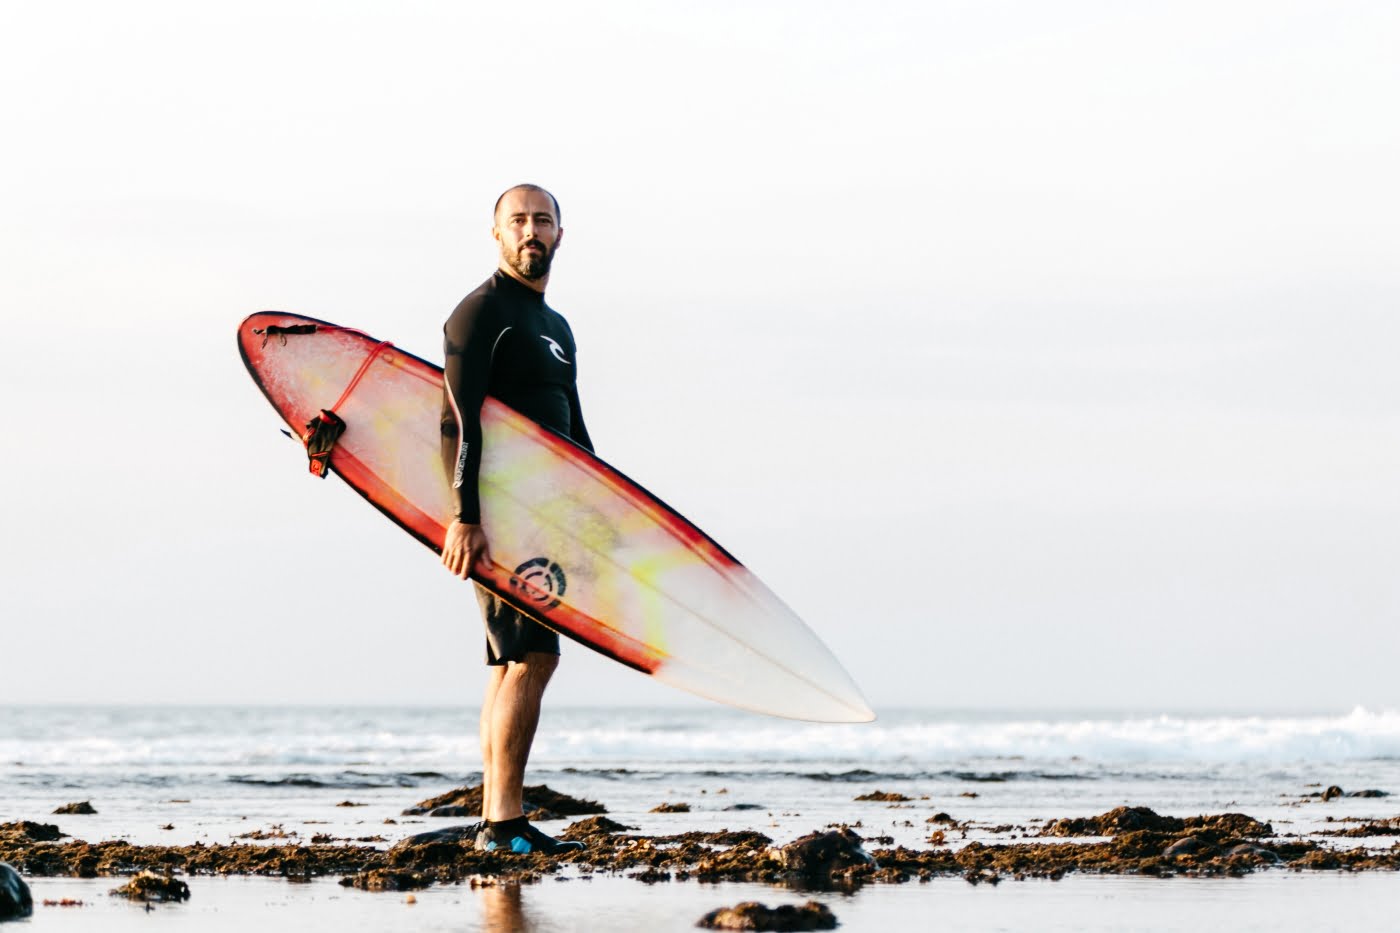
502,908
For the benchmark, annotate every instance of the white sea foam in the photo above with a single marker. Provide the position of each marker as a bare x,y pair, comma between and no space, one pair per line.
922,742
444,740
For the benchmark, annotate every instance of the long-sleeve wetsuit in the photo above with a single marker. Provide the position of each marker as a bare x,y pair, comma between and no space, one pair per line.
504,341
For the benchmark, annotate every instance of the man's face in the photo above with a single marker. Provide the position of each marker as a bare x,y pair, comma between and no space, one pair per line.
528,232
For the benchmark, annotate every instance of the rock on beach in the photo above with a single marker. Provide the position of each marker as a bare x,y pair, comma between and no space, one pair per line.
821,854
541,803
16,902
751,915
149,886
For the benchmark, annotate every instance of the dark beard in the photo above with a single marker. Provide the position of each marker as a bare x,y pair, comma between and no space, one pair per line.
532,268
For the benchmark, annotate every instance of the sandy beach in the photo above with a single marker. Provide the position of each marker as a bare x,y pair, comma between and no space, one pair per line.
1265,902
298,819
1127,869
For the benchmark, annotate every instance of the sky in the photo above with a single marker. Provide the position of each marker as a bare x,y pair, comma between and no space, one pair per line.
1038,354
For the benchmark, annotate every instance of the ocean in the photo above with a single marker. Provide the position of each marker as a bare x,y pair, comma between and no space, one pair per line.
216,773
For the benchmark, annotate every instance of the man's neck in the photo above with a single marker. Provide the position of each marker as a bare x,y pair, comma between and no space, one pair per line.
537,285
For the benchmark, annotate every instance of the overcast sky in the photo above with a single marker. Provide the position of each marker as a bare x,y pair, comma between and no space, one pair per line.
1038,354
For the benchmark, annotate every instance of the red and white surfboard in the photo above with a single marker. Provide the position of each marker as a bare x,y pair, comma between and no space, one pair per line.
577,545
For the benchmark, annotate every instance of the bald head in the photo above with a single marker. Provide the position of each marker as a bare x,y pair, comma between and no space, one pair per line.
496,212
527,229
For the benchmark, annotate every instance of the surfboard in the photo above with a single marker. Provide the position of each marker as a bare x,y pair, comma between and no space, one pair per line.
575,543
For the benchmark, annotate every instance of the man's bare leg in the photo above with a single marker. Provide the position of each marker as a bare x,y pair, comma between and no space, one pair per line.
494,677
514,714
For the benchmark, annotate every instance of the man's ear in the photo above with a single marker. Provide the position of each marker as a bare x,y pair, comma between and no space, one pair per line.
559,238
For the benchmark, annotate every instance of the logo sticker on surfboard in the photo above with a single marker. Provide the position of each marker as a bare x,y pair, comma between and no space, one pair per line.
539,581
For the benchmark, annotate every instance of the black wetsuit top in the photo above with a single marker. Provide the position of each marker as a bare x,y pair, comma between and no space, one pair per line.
504,341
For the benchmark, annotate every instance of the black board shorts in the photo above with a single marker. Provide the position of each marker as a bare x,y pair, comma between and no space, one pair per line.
510,634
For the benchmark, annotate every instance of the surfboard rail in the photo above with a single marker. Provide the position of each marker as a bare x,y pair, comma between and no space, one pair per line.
577,544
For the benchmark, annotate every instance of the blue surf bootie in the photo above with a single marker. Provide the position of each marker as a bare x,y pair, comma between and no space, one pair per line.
520,837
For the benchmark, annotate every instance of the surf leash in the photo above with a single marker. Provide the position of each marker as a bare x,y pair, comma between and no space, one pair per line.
326,428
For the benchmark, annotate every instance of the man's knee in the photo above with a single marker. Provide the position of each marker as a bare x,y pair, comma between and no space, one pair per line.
535,669
541,661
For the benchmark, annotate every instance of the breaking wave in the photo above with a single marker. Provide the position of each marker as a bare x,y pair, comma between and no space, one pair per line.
346,748
927,739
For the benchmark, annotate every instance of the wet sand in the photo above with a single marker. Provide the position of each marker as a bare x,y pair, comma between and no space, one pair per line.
1126,840
1273,901
688,874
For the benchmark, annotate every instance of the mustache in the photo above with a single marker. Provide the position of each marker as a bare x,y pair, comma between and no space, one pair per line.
536,244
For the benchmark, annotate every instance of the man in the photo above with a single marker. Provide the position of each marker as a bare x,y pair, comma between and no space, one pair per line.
503,340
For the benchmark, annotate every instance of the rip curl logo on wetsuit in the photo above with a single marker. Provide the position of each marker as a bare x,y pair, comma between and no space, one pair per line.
540,581
554,348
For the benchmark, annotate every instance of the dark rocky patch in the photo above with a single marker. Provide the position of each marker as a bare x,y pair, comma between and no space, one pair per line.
883,796
90,860
1335,791
386,879
1139,819
823,854
671,808
650,875
1186,845
723,837
82,808
1255,853
272,832
593,826
751,915
1119,820
1225,844
538,797
27,831
149,886
1208,852
1236,823
16,902
1358,859
1390,827
979,875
